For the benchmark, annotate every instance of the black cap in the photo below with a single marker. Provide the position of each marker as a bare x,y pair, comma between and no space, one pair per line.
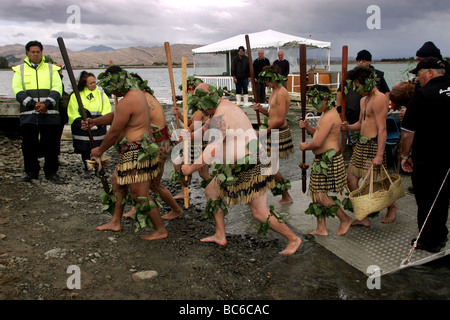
429,49
428,63
241,48
364,55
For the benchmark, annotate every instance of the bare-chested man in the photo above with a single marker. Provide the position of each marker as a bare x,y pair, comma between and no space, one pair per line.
279,103
130,121
326,139
161,136
370,149
231,132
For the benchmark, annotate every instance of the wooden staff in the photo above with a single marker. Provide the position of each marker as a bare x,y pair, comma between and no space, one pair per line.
303,84
252,75
172,84
186,149
65,56
343,98
116,100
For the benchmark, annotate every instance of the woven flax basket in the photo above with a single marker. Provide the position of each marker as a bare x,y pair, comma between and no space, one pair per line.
375,195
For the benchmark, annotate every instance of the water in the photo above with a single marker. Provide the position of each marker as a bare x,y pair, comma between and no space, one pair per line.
159,80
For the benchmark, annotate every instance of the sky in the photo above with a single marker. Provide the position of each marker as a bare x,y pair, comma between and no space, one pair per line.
387,28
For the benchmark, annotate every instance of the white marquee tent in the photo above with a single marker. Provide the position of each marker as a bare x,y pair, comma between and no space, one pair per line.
269,40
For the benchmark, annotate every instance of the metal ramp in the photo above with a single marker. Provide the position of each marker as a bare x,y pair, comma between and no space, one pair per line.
382,245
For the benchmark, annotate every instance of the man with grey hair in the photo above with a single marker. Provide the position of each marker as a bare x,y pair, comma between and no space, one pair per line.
423,154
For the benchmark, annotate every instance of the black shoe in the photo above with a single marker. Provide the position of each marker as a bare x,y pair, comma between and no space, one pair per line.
433,248
53,177
28,176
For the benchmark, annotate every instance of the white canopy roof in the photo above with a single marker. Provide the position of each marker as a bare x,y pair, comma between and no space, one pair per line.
264,39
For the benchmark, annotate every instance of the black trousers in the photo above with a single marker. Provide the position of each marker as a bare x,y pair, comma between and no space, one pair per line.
427,179
40,140
260,89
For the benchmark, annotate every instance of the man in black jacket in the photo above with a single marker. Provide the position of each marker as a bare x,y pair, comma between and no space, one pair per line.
258,66
423,146
240,72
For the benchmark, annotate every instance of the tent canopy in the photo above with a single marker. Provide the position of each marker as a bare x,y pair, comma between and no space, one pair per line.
260,40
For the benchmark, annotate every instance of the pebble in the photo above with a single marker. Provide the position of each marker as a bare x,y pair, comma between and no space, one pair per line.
144,275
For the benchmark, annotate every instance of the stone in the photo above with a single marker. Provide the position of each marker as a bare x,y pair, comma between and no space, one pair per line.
144,275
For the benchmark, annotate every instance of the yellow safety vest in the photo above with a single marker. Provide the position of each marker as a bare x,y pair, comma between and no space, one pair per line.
95,101
31,85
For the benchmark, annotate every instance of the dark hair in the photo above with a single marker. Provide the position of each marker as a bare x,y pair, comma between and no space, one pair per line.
360,74
33,43
321,87
135,75
112,70
83,79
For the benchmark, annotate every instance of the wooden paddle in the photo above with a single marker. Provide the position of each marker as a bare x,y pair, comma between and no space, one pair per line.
303,85
343,98
116,100
172,84
186,150
65,56
252,75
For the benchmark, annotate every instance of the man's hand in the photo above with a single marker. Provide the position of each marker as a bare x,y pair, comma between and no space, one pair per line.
95,153
344,126
377,161
186,169
407,165
40,107
87,124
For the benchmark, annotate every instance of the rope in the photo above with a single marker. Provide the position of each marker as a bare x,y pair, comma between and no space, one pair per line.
406,261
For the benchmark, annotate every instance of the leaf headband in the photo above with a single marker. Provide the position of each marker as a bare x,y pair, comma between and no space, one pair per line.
315,97
368,85
204,100
121,82
269,75
191,81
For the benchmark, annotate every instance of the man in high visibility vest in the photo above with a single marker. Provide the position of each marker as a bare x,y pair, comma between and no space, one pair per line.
37,87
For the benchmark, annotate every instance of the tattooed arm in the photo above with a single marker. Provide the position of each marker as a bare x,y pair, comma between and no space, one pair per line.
216,137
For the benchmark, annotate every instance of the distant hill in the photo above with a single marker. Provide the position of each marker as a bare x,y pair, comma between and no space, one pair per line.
133,56
97,48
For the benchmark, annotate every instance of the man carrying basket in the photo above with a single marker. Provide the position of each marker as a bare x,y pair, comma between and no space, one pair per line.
370,147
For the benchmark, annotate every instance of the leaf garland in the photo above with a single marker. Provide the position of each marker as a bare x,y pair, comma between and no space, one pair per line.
121,82
270,76
212,206
326,159
319,211
204,100
281,186
362,139
265,226
191,81
368,85
315,97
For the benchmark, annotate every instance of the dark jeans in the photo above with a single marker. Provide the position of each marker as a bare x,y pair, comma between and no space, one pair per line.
242,86
37,140
427,179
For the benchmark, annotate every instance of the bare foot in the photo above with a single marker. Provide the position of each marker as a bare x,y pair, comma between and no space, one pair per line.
155,235
179,196
364,222
111,226
320,232
344,226
285,201
291,247
390,214
216,239
130,214
172,215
